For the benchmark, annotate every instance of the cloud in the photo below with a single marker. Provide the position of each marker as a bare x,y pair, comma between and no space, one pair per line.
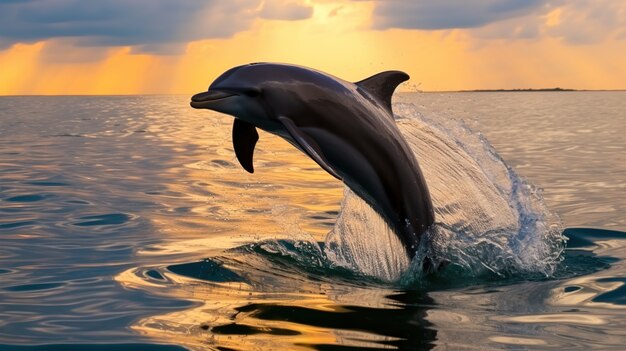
585,22
157,26
576,22
448,14
285,10
573,21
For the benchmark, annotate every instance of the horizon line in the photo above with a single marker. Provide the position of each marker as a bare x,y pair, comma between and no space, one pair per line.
513,90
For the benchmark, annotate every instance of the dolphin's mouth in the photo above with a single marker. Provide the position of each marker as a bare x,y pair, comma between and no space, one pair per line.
205,99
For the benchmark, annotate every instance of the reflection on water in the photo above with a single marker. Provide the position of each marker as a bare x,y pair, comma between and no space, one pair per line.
262,298
129,220
260,315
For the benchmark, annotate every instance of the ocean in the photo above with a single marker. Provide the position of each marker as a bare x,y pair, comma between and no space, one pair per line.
126,223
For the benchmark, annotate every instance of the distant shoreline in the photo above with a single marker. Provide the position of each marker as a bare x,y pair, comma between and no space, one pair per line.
514,90
527,90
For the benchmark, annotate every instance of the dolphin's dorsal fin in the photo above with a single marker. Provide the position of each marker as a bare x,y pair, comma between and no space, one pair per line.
245,137
382,85
308,145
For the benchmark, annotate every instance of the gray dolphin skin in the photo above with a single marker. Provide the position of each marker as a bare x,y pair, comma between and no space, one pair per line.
347,128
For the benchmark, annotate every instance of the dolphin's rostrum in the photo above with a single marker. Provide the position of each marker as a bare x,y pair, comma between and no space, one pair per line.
347,128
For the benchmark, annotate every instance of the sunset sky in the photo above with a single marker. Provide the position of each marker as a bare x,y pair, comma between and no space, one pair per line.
180,46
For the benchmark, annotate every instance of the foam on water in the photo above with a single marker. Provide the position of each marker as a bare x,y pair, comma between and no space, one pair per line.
488,219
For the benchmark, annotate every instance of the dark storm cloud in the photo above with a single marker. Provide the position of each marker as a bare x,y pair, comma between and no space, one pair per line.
448,14
150,25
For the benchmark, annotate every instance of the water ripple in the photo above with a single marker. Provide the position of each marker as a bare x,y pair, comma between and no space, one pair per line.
105,219
134,224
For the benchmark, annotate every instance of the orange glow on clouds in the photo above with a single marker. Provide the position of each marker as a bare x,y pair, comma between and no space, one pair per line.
338,39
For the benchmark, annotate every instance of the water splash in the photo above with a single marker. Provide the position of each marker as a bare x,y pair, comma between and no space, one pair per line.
488,219
362,241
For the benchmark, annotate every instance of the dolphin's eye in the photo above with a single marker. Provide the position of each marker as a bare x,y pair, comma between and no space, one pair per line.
252,92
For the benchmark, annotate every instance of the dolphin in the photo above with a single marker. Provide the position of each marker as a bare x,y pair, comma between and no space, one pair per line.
347,128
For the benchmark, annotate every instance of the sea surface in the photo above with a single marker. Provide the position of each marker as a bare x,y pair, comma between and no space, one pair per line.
126,223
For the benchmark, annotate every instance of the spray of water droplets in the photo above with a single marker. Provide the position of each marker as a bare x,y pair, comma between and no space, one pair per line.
488,219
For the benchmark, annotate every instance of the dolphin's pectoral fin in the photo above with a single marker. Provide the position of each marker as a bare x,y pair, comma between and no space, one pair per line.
309,145
245,137
382,85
